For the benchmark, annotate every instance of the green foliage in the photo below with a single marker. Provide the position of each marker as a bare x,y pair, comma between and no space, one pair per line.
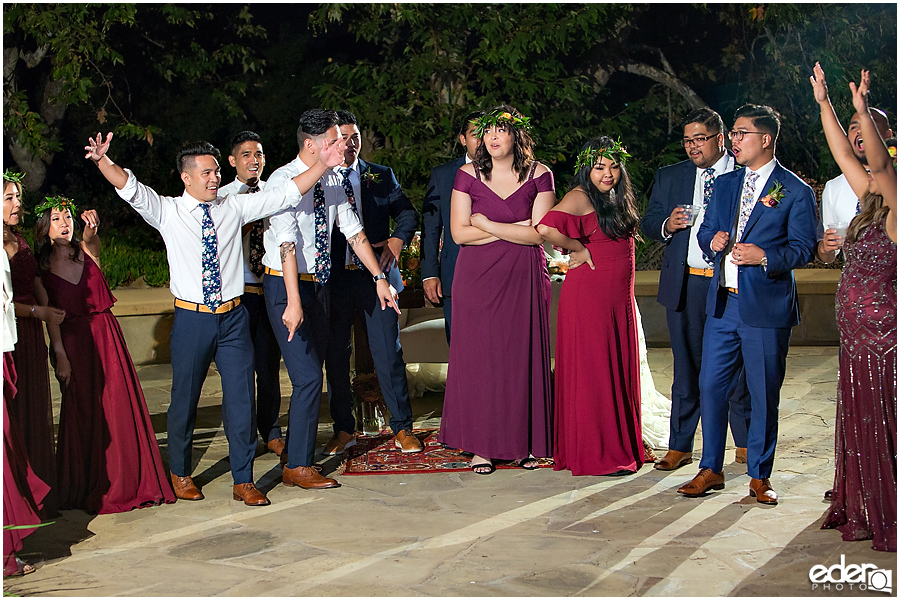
125,259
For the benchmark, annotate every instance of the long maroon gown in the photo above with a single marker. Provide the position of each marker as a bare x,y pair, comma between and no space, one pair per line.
864,498
108,457
23,491
598,387
498,401
31,409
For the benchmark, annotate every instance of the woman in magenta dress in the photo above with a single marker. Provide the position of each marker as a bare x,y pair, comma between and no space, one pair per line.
598,390
31,409
107,456
864,497
498,401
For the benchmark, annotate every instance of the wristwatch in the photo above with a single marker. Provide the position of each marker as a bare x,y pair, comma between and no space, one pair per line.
379,277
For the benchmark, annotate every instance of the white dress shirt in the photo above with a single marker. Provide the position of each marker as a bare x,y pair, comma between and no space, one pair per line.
357,194
179,219
838,204
695,256
10,336
731,269
237,187
298,224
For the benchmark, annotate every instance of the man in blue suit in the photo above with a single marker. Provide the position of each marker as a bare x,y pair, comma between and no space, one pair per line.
374,192
685,277
439,261
760,225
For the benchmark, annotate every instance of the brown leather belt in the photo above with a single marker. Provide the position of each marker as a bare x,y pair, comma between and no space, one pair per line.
351,267
732,290
300,276
700,272
253,288
223,308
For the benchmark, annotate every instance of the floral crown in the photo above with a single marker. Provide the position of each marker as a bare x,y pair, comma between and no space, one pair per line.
498,117
589,157
13,176
57,202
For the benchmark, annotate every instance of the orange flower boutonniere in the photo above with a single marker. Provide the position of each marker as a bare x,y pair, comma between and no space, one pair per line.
773,196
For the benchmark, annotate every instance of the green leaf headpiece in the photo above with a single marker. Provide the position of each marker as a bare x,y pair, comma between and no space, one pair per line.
13,176
589,157
57,202
498,117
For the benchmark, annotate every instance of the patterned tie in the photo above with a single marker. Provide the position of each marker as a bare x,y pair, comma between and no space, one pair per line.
351,198
323,257
747,203
257,249
709,176
212,278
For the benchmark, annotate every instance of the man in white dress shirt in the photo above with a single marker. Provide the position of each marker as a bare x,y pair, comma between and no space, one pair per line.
297,266
839,203
201,230
249,161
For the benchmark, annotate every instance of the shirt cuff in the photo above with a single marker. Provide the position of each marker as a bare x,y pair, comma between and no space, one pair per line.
424,279
662,231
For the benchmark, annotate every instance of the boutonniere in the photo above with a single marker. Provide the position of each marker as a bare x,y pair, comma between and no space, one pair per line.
774,195
369,177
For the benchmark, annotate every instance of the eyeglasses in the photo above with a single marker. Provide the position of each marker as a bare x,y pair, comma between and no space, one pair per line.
697,141
737,135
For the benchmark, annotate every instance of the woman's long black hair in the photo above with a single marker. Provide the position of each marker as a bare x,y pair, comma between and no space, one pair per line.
43,247
617,211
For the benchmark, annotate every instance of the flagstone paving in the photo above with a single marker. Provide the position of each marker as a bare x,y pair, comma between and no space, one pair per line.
514,533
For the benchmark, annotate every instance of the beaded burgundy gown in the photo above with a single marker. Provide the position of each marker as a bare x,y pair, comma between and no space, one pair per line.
864,499
108,456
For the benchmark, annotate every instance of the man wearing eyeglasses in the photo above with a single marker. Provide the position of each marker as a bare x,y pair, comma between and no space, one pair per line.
685,276
760,225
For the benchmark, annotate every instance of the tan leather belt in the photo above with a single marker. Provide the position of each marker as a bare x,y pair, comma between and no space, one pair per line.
223,308
732,290
700,272
300,276
253,288
351,267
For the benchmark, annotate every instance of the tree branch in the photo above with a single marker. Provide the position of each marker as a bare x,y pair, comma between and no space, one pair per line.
667,79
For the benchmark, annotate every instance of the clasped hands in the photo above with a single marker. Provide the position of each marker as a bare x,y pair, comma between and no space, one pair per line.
741,254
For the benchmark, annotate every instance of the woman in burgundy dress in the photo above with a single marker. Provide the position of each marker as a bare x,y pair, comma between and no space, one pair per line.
864,497
30,409
107,456
598,390
498,401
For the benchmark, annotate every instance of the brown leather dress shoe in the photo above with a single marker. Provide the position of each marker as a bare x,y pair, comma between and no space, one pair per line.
407,442
250,494
184,488
673,460
340,442
704,481
276,446
740,456
762,491
308,478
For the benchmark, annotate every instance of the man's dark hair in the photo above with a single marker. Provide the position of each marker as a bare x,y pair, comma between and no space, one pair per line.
244,136
472,116
765,118
706,117
345,117
190,150
315,122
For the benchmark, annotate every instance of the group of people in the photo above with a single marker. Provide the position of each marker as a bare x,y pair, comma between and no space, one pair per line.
269,269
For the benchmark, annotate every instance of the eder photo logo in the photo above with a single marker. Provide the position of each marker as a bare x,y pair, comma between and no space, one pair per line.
865,577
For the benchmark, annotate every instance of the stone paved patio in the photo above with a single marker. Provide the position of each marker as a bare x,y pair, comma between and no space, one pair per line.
515,533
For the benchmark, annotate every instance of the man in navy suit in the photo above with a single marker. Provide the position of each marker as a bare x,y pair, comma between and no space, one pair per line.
684,280
439,251
377,198
760,225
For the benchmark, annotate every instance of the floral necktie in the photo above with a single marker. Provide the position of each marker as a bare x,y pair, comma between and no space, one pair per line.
212,278
323,257
351,198
709,176
747,203
257,249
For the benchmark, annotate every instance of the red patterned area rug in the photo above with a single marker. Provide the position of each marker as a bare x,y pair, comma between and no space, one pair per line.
377,455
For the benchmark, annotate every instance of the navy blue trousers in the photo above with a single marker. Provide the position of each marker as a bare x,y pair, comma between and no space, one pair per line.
448,312
196,340
266,364
730,342
303,359
686,336
352,292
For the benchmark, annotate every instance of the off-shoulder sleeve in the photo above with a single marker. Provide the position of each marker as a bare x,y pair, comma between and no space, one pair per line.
545,182
463,181
563,223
